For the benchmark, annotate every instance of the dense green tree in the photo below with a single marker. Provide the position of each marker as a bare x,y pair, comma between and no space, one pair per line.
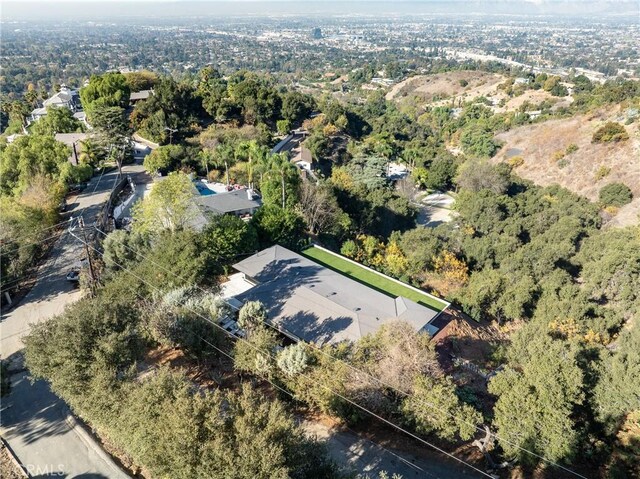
267,443
184,317
256,96
228,238
318,145
435,407
538,394
169,206
174,260
30,156
122,249
441,173
477,140
93,333
168,113
212,88
26,226
165,158
256,354
106,90
296,107
420,246
57,120
616,393
610,264
277,226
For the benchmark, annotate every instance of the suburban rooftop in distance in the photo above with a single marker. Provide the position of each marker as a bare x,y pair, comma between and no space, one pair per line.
317,304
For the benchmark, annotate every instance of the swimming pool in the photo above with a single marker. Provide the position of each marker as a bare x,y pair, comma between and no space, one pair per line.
203,190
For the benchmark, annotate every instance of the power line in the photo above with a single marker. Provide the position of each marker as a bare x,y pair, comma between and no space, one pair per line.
31,243
43,239
390,423
385,384
289,393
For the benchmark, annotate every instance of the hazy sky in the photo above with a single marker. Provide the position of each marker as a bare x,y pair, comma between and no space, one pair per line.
112,10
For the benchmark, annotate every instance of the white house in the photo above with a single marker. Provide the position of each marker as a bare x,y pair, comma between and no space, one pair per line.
65,98
303,158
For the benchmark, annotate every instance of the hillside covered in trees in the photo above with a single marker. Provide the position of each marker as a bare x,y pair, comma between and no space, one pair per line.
540,265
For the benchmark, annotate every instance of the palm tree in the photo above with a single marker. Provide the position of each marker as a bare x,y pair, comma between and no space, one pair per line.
279,164
91,152
223,156
207,157
257,155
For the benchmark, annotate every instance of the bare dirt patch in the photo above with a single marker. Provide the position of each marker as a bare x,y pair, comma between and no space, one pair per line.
431,88
535,97
583,170
8,465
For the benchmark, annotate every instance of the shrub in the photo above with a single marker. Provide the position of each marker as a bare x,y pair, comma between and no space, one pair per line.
602,172
615,194
515,161
558,155
610,131
572,148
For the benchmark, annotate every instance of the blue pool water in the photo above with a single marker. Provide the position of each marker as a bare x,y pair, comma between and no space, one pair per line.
203,190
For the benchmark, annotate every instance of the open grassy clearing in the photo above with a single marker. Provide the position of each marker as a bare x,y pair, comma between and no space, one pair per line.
371,279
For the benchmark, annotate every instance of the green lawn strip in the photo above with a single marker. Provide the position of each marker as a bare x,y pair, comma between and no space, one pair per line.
375,281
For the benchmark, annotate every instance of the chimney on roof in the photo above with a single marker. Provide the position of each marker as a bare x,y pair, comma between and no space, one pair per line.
250,193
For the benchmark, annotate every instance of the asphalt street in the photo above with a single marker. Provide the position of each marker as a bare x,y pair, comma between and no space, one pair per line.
34,421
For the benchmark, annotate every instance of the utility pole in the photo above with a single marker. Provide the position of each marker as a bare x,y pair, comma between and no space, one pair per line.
89,258
171,132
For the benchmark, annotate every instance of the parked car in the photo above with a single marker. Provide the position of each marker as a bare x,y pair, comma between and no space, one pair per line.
73,276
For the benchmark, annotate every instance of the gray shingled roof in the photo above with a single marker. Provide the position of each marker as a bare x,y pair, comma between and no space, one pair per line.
71,138
320,305
140,95
230,202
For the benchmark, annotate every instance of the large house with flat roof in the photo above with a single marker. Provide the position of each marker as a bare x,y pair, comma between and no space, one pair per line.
313,303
